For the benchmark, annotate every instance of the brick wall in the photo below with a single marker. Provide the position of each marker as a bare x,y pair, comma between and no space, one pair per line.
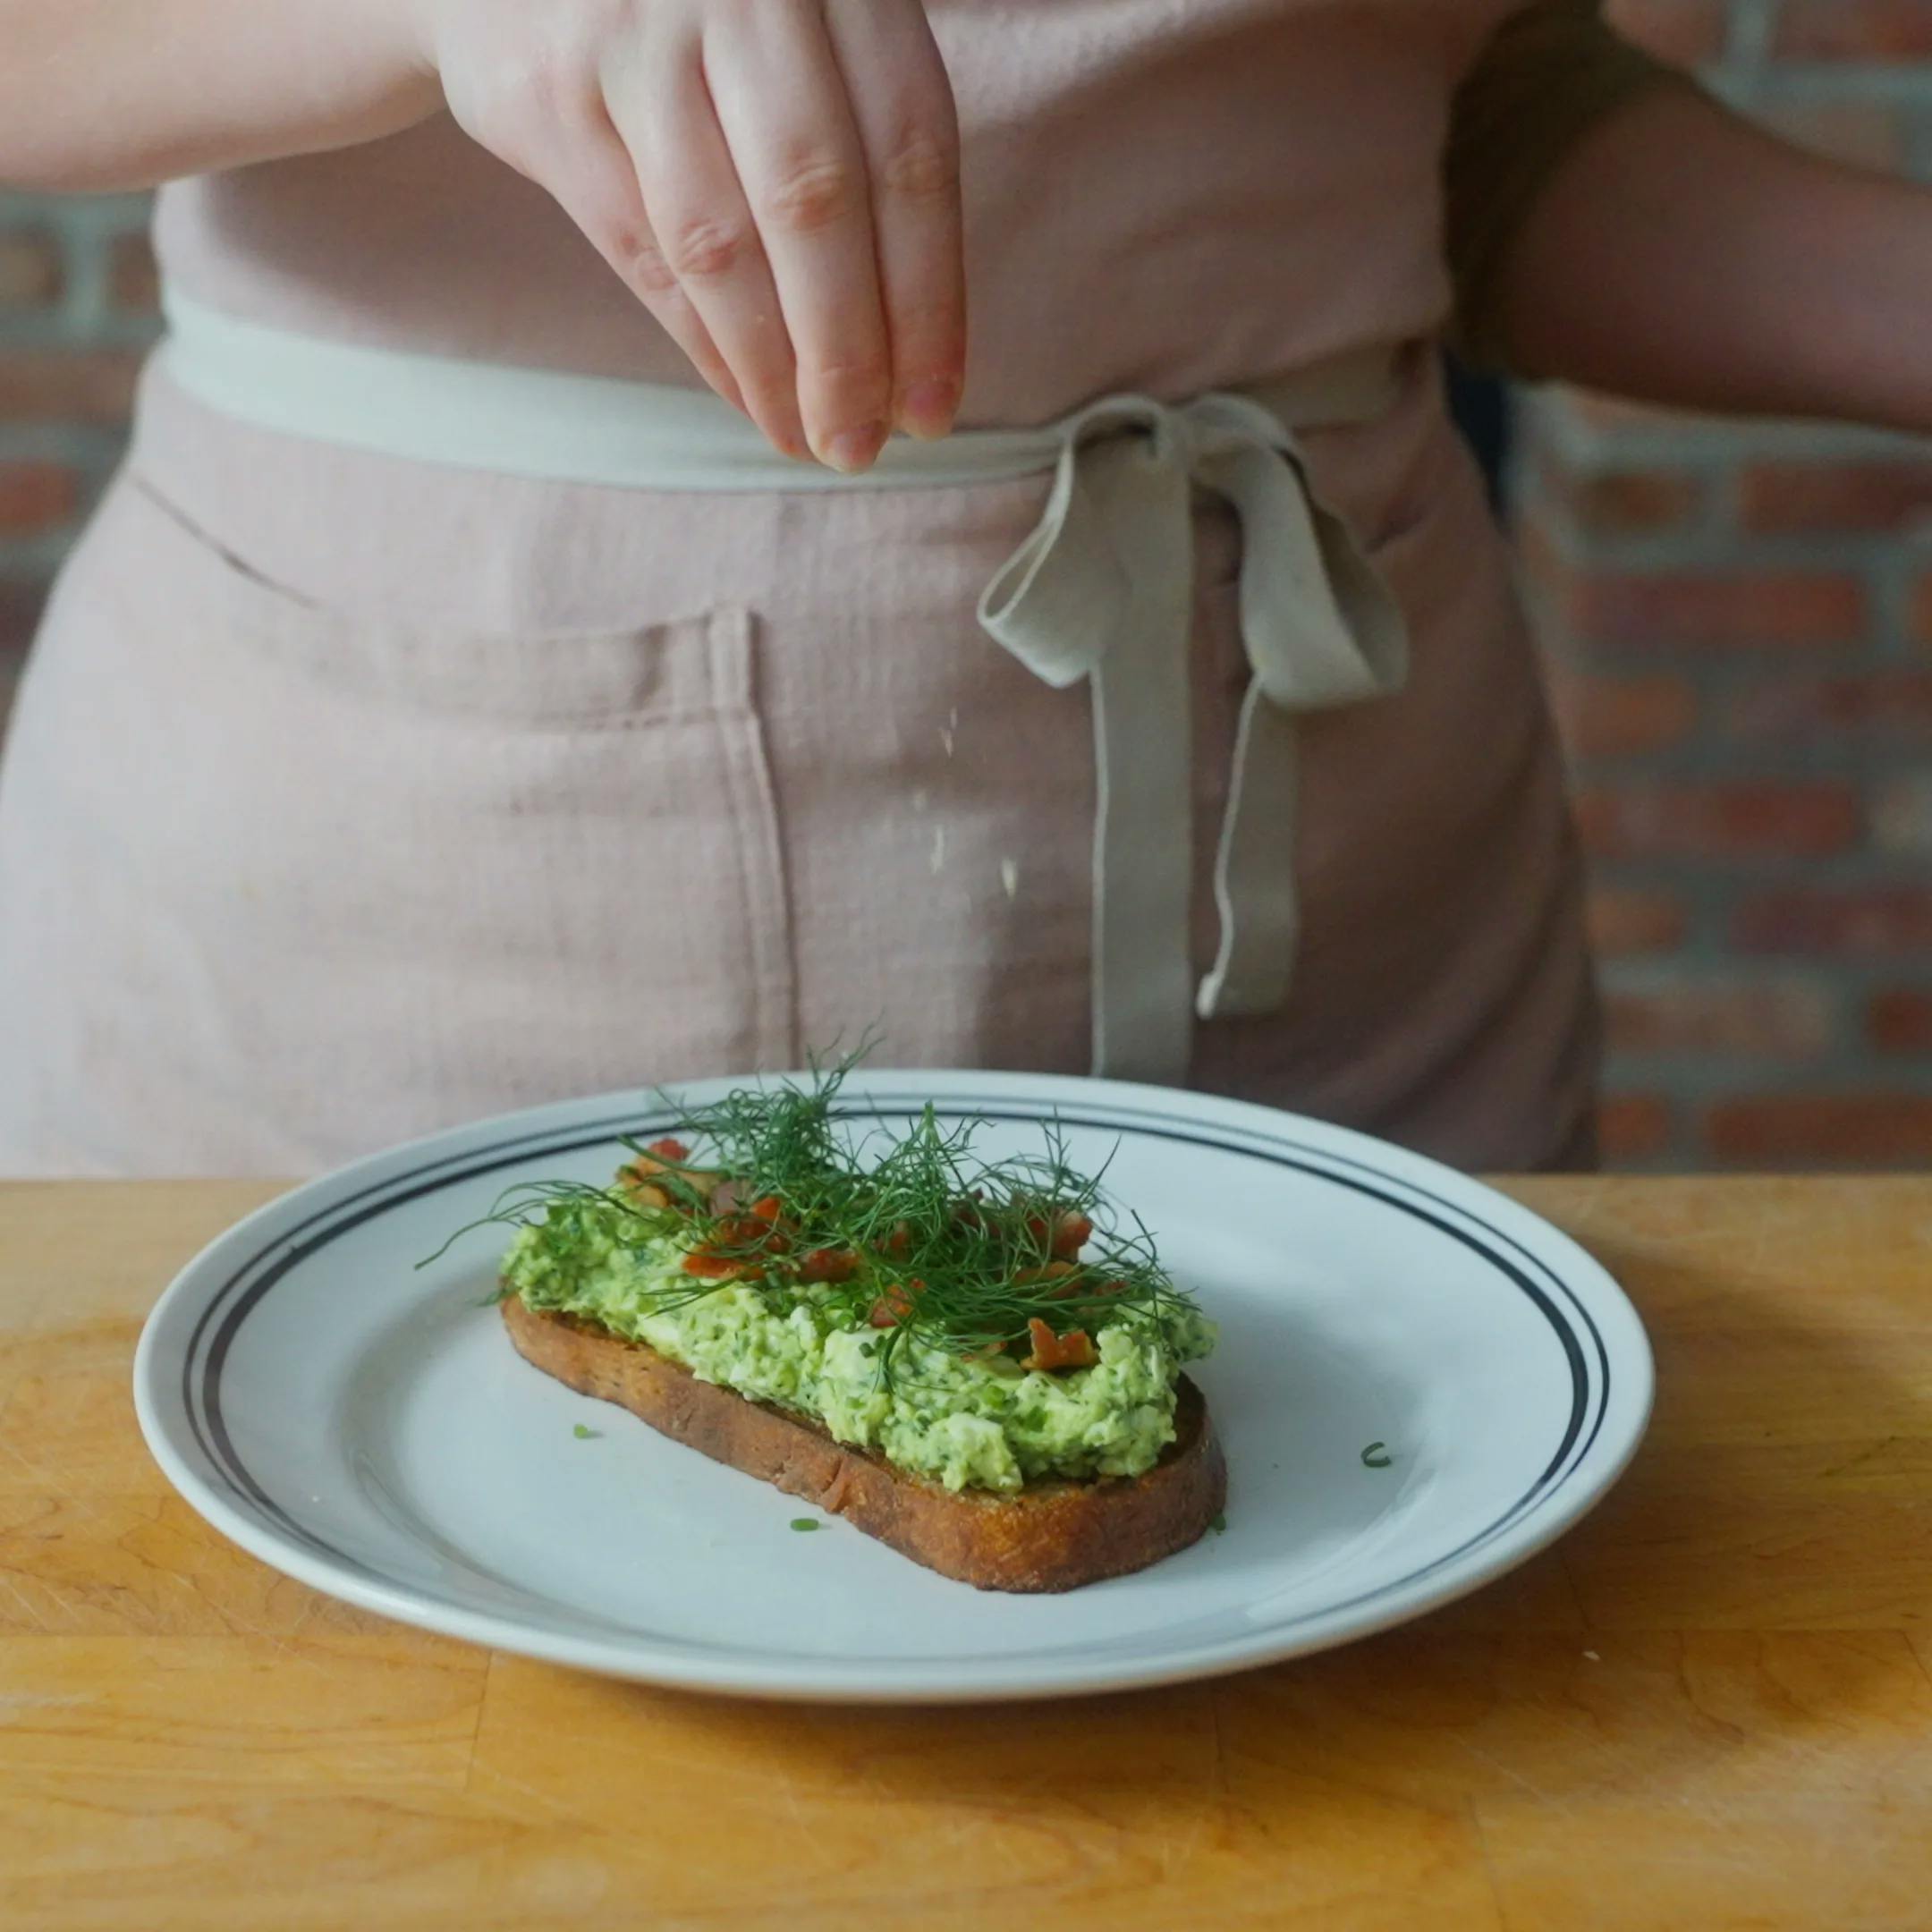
1738,620
76,306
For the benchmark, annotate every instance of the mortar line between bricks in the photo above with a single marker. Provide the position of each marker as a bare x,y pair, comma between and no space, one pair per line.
1858,976
1701,760
38,557
1705,555
1858,870
1698,1082
82,445
1553,416
1899,83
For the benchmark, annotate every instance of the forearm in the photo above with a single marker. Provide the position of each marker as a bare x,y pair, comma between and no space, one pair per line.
110,94
1679,256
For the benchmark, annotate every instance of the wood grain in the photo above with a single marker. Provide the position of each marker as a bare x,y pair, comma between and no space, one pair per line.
1711,1705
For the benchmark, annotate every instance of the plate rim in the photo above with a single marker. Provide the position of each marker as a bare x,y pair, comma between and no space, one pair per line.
1529,1527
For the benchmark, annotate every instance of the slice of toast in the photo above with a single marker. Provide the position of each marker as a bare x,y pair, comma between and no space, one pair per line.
1050,1536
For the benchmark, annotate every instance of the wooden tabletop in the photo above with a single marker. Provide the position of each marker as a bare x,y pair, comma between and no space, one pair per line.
1710,1706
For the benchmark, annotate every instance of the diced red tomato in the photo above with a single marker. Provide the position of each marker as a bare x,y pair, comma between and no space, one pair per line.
828,1265
750,1231
895,1305
1074,1349
1051,1271
666,1157
708,1266
1071,1233
738,1242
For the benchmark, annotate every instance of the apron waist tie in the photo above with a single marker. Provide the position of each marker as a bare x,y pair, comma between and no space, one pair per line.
1103,590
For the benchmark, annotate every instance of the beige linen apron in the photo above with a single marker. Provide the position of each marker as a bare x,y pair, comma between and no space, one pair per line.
350,795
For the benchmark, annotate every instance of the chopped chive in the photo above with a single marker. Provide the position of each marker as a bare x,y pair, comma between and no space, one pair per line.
1219,1523
583,1434
1376,1456
807,1522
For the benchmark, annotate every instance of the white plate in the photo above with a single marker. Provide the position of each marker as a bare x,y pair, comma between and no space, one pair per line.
365,1426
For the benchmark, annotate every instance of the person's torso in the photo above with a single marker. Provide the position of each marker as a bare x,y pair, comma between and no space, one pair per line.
1161,195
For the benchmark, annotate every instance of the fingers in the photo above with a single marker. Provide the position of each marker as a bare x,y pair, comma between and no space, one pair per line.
779,185
597,186
903,102
781,104
707,244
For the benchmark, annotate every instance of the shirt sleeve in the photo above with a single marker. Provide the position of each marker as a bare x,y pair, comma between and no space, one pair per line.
1548,75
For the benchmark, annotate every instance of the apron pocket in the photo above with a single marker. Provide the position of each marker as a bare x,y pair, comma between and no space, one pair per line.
349,881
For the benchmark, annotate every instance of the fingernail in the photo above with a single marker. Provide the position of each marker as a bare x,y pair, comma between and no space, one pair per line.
855,449
930,406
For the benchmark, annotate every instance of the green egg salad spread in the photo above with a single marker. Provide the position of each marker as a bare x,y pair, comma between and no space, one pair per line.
976,1324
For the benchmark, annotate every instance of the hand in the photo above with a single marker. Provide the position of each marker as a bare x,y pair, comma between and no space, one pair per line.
778,181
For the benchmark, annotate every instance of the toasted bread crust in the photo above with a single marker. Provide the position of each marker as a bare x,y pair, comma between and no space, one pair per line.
1048,1537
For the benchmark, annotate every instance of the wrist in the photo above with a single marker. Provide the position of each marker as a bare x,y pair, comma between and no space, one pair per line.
402,33
395,43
